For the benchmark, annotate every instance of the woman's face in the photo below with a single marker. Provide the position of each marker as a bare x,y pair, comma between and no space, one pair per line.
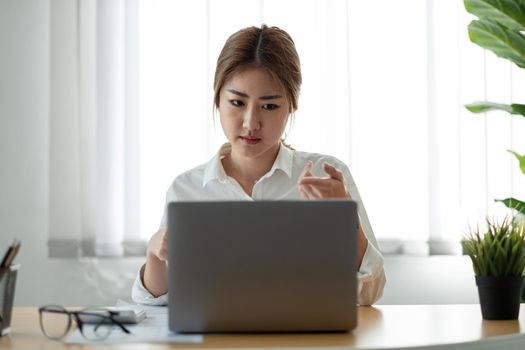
254,112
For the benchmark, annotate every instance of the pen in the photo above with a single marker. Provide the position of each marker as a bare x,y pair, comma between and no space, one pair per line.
13,254
7,253
10,254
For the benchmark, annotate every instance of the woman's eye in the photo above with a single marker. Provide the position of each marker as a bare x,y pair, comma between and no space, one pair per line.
237,103
270,106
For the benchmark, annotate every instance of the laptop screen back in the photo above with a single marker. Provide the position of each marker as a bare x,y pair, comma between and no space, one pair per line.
264,266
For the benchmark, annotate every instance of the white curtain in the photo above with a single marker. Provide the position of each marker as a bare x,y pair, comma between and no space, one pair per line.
384,84
94,128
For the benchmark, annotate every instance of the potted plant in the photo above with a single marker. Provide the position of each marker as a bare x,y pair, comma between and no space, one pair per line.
501,29
498,258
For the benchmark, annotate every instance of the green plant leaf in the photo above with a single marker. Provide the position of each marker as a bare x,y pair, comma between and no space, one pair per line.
508,13
480,258
503,42
520,266
481,107
515,266
512,263
492,270
498,250
513,203
520,158
518,108
500,260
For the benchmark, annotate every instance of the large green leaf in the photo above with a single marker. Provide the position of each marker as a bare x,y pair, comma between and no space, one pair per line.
480,107
509,13
513,203
520,158
519,109
503,42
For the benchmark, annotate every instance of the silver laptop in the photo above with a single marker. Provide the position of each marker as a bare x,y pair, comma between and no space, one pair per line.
264,266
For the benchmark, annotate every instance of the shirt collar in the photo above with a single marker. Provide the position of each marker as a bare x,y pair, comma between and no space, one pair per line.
215,171
283,162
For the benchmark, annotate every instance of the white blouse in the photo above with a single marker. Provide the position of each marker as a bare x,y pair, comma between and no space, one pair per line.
210,182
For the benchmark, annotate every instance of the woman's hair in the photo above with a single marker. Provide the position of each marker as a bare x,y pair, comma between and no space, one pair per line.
270,48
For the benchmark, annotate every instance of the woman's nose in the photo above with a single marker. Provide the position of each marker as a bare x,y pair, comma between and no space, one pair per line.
251,119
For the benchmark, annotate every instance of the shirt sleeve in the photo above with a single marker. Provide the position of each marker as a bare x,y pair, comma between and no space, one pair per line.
170,197
370,277
140,295
371,274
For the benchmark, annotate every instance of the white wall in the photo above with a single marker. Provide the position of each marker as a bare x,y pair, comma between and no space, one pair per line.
429,280
24,118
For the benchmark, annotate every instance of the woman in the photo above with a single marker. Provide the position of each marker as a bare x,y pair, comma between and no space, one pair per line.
257,83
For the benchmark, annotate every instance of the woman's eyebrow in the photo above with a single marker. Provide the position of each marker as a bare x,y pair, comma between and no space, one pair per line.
242,94
270,97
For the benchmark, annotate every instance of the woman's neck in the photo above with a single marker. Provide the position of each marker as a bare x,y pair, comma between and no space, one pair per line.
248,169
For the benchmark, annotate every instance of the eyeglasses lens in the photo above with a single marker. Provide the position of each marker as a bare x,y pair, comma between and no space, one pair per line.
55,322
97,324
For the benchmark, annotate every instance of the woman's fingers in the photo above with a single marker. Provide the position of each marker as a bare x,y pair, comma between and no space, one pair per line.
163,252
158,244
317,192
331,186
320,182
306,174
307,171
333,172
308,192
304,192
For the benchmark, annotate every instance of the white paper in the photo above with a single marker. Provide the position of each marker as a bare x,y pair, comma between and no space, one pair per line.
154,329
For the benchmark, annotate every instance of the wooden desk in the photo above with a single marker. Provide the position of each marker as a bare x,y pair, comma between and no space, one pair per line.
385,326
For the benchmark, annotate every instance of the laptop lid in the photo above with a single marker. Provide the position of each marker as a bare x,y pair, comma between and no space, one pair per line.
263,266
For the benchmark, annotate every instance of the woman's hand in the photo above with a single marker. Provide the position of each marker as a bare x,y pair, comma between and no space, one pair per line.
158,245
330,186
155,277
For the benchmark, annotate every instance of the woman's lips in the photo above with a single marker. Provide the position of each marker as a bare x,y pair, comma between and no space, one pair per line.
250,140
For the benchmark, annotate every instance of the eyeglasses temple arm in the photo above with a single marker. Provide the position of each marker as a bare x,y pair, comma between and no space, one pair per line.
118,323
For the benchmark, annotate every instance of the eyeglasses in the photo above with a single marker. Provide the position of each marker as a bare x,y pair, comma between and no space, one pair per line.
93,323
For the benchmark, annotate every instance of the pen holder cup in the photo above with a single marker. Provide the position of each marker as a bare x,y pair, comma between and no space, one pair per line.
7,295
